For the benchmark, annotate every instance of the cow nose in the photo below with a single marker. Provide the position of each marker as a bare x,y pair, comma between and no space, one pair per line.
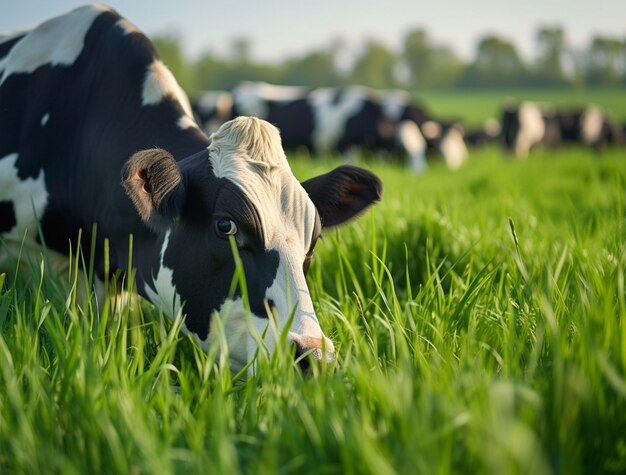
311,348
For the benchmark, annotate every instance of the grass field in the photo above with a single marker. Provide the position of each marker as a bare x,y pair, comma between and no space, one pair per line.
480,324
474,107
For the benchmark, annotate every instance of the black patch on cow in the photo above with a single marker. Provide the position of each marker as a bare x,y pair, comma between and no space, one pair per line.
361,129
510,126
7,216
295,120
202,261
96,122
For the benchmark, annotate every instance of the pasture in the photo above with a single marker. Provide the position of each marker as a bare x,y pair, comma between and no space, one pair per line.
479,319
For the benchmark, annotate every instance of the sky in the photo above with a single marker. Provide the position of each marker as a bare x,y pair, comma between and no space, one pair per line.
281,29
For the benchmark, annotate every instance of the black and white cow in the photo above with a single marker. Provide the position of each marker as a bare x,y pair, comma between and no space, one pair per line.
443,138
589,126
95,129
527,126
321,120
531,124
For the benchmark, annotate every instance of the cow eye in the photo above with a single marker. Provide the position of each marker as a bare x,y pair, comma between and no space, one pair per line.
225,227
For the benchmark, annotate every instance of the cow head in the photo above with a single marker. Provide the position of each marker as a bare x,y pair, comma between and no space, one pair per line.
242,192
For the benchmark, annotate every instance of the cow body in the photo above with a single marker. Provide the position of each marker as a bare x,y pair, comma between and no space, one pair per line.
324,120
530,125
443,138
85,91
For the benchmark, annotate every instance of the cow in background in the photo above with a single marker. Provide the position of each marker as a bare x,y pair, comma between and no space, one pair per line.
527,126
589,126
325,120
530,125
443,138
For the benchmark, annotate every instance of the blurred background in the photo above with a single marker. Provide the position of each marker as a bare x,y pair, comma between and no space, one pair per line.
460,59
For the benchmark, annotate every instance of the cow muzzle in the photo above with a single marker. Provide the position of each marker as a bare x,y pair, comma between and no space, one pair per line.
309,349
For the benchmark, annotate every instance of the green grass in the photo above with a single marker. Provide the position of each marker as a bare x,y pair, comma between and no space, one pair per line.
458,350
474,107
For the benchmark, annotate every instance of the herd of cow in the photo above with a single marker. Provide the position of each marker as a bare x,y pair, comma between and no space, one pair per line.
338,120
94,129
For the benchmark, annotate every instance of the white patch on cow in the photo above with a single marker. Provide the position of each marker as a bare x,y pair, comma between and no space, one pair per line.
159,84
271,92
58,41
431,130
453,149
29,198
6,36
492,127
412,140
127,26
331,116
164,294
249,103
394,103
591,125
248,152
186,122
532,128
44,119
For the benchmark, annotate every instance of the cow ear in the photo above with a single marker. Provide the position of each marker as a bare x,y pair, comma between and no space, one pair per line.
153,182
343,194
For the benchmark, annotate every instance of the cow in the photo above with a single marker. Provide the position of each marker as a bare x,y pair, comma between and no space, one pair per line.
530,124
320,120
589,126
95,129
443,138
527,126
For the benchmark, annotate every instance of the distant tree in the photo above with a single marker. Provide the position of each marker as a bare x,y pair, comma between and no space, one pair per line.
497,64
375,67
417,55
428,65
551,47
604,61
210,72
240,51
170,50
313,69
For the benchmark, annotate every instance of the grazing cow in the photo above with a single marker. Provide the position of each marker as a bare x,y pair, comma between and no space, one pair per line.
589,126
444,138
321,120
528,125
95,129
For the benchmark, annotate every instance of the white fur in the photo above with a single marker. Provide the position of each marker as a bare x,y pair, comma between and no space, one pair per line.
186,122
591,124
532,128
394,102
29,197
160,83
165,295
271,92
44,119
413,142
248,152
453,149
58,41
127,26
331,116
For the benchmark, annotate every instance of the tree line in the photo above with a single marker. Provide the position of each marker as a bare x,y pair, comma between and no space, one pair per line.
420,64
